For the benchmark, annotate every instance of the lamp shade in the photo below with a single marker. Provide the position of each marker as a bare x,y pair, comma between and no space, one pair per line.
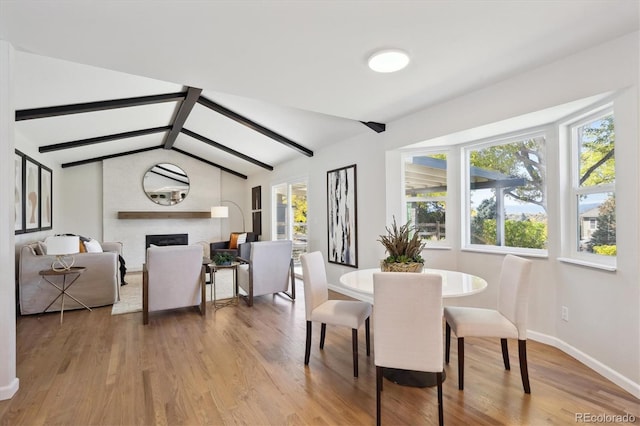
220,211
63,245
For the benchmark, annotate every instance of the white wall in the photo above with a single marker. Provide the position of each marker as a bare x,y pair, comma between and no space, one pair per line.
9,382
604,326
122,191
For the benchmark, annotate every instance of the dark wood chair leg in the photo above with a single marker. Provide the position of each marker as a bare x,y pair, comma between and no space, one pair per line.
524,370
378,394
323,332
367,335
354,339
461,363
447,342
307,350
440,407
505,354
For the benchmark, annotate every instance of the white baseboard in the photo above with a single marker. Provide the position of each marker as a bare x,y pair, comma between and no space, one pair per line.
617,378
7,392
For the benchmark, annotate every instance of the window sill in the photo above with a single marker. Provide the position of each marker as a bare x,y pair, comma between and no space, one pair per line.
507,250
610,268
428,247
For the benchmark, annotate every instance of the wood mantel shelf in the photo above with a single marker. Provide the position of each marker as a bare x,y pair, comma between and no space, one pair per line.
164,215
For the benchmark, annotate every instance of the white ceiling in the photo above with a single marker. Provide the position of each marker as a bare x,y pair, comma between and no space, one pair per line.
296,67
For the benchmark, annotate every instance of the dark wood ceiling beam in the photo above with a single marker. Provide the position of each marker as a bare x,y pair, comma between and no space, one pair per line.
188,154
186,106
376,127
106,157
54,111
101,139
254,126
226,149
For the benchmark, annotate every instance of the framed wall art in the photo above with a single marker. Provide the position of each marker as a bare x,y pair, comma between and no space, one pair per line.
342,216
19,193
256,198
31,195
46,197
257,222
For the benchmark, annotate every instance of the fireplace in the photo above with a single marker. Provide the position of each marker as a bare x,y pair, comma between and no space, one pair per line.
167,240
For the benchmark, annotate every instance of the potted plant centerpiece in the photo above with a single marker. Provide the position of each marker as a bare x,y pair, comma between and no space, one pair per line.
223,258
404,249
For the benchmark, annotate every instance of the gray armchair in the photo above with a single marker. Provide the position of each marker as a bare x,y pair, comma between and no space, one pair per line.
267,270
173,277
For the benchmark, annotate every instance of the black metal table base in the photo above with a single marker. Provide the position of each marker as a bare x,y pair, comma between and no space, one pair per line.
416,379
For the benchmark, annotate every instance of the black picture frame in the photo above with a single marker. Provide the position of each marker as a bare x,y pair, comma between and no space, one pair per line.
257,223
342,216
19,192
31,194
46,198
256,198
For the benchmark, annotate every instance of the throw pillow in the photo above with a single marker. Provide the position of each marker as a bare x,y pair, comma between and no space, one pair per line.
93,246
40,248
242,238
233,240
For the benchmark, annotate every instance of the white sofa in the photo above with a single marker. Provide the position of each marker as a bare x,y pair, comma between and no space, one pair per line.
97,286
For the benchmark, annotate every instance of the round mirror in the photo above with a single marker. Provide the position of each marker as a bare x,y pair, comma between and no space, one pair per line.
166,184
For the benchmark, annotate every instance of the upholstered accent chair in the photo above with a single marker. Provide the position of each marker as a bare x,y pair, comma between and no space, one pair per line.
407,327
233,243
509,321
173,277
319,308
267,270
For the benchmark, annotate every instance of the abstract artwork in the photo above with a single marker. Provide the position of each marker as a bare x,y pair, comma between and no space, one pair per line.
32,195
46,213
19,205
342,216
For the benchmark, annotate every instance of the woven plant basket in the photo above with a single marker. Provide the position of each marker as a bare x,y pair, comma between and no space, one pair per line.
401,267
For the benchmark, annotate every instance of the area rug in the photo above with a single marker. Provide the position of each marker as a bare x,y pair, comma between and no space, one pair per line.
131,294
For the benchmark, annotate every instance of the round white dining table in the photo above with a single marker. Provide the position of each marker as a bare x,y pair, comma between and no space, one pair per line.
454,283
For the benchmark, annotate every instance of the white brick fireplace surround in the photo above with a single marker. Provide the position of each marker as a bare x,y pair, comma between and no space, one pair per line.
122,191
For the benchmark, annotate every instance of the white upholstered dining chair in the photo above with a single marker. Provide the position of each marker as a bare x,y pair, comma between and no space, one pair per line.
407,327
173,277
319,308
509,321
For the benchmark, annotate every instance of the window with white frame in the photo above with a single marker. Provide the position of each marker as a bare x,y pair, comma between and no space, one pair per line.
425,192
593,171
506,194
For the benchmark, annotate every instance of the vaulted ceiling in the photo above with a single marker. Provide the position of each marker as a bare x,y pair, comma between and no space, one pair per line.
251,84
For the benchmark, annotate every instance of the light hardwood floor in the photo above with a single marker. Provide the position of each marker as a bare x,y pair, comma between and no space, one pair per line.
242,365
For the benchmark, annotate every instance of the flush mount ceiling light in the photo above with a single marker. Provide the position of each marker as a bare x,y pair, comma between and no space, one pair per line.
388,60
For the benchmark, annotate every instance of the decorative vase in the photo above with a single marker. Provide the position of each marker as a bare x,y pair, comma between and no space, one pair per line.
401,267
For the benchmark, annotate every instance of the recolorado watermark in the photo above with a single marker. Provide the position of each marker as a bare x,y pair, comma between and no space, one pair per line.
605,418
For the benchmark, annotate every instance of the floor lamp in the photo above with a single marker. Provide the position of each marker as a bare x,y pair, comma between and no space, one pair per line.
223,211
